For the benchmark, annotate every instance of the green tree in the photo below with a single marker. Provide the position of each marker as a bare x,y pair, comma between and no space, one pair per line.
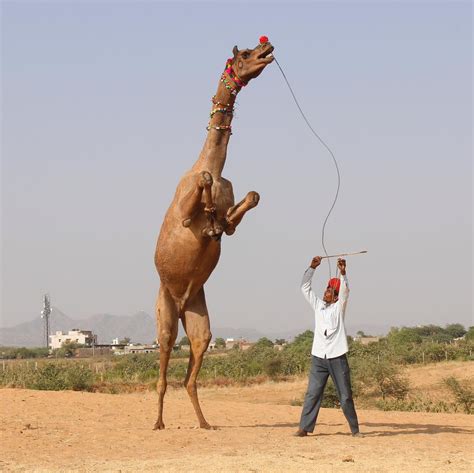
184,341
305,338
67,350
470,334
280,341
404,336
125,341
264,342
220,342
455,330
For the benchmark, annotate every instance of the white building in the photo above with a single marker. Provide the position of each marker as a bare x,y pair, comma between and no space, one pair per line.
81,337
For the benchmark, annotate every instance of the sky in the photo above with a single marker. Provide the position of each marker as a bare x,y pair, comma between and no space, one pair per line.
105,106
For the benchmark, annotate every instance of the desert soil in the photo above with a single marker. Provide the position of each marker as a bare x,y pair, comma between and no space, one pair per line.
75,431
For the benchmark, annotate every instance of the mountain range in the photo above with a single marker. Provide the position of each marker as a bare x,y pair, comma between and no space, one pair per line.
139,327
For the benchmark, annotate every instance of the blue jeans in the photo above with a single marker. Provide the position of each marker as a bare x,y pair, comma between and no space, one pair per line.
339,370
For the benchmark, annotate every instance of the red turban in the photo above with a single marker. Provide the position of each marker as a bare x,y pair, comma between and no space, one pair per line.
335,283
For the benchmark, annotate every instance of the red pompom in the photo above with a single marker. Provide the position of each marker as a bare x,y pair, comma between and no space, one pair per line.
263,39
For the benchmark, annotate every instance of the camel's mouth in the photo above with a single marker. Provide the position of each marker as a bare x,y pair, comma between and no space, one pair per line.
266,54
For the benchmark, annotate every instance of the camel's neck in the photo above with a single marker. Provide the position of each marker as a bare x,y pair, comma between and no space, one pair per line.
214,151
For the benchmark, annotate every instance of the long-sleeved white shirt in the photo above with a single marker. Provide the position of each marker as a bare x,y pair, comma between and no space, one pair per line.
330,340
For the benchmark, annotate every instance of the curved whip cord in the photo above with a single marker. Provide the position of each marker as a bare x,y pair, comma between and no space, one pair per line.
332,156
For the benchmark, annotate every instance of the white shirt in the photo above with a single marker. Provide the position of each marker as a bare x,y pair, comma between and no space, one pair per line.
330,340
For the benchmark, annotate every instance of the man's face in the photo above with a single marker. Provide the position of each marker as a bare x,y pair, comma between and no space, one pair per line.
330,295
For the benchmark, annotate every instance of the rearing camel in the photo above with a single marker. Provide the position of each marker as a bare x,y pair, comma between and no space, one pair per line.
189,246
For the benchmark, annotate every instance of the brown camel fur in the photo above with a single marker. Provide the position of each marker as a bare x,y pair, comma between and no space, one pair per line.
189,247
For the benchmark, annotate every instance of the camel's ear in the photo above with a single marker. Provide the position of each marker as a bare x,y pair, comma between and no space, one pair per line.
235,51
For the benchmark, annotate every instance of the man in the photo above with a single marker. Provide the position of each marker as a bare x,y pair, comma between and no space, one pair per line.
329,349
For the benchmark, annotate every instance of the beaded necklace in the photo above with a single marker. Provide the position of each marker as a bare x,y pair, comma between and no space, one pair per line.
233,83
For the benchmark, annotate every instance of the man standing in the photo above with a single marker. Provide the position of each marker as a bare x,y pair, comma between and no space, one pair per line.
329,349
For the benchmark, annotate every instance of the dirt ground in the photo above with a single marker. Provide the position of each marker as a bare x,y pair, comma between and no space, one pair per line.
74,431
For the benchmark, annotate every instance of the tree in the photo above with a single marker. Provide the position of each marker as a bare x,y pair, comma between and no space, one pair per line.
470,333
360,334
455,330
67,350
304,338
184,341
220,342
280,341
264,342
125,341
404,336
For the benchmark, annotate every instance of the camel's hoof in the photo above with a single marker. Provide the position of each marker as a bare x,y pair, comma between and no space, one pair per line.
206,179
208,232
253,199
206,426
159,425
218,229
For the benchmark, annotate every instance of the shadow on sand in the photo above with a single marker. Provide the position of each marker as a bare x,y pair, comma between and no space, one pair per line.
386,429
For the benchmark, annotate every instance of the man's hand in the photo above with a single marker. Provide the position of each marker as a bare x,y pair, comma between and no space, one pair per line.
315,262
341,264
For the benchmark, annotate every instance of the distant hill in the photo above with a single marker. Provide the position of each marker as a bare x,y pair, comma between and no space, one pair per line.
140,328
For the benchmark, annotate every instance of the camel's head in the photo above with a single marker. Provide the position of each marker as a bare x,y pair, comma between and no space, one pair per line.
249,63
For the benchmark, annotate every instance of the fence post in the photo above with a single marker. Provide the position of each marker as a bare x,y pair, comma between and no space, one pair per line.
3,365
446,354
423,354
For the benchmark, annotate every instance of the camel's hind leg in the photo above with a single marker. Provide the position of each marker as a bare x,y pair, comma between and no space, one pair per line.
167,318
196,324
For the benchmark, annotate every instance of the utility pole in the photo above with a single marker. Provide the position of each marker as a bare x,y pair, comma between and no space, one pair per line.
45,313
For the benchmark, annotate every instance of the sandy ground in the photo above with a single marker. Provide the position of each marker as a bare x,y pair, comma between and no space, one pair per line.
74,431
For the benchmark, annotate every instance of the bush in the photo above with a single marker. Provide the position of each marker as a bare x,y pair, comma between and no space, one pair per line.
414,405
330,397
58,377
22,353
463,393
135,367
273,367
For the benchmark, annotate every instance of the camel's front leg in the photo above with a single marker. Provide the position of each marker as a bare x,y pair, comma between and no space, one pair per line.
236,213
191,202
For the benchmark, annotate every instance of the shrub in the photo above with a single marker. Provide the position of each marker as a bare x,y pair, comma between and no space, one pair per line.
463,393
414,405
135,367
49,378
273,367
330,397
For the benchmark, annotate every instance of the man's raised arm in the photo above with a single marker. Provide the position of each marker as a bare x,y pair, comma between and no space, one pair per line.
344,289
306,283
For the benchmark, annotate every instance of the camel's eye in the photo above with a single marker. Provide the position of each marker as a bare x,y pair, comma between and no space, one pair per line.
245,54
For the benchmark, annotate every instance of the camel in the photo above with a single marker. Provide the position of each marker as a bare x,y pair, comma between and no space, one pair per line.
189,243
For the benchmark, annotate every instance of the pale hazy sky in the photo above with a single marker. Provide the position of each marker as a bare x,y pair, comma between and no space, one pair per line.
97,97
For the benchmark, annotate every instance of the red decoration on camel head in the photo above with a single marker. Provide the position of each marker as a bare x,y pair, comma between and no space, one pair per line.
263,39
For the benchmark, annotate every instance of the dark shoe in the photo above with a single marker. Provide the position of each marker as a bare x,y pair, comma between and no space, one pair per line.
300,433
358,434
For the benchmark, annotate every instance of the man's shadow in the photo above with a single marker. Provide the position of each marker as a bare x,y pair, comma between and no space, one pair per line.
395,429
410,429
